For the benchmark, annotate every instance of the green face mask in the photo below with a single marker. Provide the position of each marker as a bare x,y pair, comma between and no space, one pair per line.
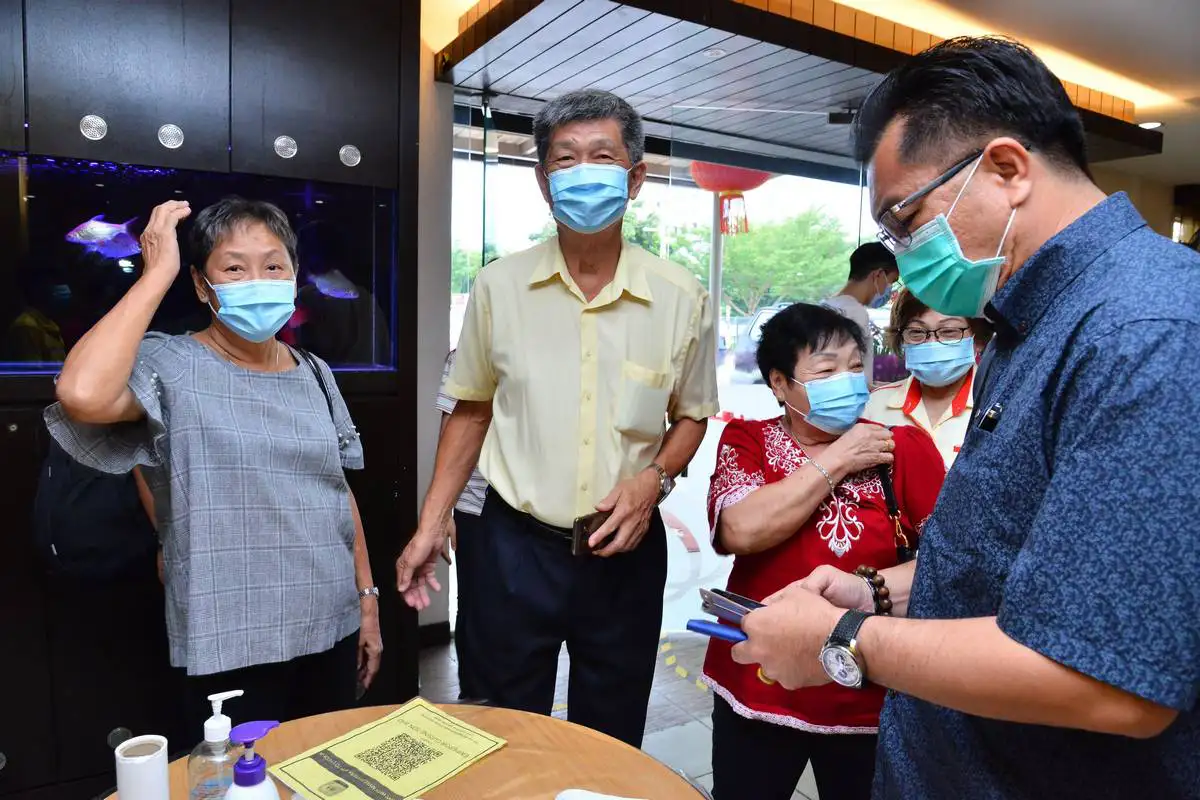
933,267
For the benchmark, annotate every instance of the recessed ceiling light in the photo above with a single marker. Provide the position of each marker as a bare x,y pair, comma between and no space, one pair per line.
715,52
1150,125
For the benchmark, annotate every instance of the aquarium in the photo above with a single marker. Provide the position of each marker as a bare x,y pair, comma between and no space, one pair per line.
69,250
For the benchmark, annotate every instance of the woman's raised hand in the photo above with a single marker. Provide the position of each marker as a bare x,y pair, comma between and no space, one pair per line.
862,447
160,242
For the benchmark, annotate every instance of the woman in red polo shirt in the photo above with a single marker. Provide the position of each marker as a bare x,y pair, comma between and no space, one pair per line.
789,494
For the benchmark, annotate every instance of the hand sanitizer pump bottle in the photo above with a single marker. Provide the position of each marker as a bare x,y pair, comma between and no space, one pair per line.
210,766
250,781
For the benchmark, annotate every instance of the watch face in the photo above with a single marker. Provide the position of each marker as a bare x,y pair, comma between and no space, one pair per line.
840,666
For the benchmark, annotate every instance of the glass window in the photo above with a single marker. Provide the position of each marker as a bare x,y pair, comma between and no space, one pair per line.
71,228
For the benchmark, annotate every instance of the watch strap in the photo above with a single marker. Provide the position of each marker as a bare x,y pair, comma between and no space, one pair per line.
846,630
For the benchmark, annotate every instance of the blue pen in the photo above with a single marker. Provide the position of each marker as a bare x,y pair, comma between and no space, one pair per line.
716,630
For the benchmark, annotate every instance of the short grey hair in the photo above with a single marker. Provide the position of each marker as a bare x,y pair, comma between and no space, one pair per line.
584,105
217,221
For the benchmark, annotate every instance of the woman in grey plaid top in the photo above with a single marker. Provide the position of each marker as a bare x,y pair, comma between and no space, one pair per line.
267,580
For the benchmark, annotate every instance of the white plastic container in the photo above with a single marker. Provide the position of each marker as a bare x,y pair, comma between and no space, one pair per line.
210,765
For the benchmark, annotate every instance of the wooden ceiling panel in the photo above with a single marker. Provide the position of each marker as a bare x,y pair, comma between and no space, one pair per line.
624,58
603,53
733,81
702,66
613,28
771,94
662,56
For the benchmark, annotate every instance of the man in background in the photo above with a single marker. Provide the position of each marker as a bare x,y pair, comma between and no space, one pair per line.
464,540
872,273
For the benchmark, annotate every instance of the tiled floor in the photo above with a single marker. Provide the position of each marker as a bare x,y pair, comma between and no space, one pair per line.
678,726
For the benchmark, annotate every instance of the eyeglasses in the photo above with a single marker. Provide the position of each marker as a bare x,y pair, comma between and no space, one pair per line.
893,231
942,335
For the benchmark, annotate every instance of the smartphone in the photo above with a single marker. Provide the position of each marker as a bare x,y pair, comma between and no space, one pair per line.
737,598
716,630
583,529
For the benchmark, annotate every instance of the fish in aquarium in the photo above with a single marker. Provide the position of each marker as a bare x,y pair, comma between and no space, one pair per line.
106,238
334,284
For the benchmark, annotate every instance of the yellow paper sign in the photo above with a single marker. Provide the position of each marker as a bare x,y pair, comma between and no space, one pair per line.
401,756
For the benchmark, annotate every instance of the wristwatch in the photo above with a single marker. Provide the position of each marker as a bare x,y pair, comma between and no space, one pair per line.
370,591
666,484
840,657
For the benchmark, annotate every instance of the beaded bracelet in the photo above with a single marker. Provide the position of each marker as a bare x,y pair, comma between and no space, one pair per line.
880,595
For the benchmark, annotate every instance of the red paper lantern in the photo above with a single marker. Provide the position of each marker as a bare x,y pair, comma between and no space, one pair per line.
730,183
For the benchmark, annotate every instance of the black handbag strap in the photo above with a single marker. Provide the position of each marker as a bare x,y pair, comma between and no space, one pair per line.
889,491
316,371
904,548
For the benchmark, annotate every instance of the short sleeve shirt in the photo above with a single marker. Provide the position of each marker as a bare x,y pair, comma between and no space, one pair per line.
475,492
1073,520
581,390
252,504
849,528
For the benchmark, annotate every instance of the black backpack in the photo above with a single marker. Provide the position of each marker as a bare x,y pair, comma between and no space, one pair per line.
90,524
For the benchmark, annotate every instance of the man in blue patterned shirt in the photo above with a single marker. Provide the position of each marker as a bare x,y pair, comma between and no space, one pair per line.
1051,646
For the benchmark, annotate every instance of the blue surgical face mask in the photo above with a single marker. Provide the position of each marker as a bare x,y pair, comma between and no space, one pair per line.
882,300
255,310
936,364
834,403
933,267
590,197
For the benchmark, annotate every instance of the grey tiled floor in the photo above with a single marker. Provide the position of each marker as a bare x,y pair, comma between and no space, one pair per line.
678,725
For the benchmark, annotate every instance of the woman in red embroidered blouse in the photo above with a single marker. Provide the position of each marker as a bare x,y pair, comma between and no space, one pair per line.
788,495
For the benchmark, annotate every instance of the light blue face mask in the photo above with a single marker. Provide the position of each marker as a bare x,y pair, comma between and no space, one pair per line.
255,310
590,197
834,403
936,364
933,267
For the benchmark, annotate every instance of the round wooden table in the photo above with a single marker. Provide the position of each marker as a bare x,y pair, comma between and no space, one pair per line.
543,757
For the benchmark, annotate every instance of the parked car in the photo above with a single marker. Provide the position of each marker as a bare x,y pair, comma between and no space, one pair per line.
888,367
745,350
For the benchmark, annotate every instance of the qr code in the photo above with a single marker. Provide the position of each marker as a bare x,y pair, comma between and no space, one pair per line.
399,756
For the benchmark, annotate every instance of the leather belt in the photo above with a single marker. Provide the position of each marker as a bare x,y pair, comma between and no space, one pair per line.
533,524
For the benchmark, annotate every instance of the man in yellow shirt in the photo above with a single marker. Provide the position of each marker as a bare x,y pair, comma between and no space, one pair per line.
573,356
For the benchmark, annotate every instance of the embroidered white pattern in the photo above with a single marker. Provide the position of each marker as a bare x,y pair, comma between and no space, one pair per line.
838,523
730,485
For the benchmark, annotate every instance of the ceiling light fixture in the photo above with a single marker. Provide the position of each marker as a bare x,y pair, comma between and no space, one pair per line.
1149,125
715,52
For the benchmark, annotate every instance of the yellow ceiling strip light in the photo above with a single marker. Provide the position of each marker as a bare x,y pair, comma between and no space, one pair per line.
873,21
863,19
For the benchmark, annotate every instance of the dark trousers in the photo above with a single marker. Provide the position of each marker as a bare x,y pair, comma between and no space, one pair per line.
760,761
531,595
466,560
302,687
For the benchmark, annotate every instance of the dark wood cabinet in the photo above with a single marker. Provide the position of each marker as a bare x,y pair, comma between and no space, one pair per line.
12,77
28,760
316,89
151,76
385,493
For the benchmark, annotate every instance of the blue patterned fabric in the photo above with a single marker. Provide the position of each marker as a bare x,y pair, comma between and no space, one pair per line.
1075,521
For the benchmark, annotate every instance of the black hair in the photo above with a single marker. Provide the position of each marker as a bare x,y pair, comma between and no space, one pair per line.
217,221
800,327
964,91
584,105
869,257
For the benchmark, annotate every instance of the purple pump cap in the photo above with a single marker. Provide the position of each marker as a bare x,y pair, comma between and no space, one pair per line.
251,769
